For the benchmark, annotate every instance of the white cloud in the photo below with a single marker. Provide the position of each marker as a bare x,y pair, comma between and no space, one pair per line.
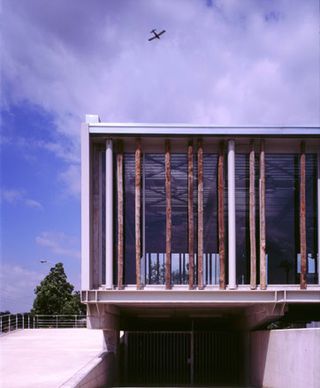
14,196
70,178
17,286
232,63
34,204
59,244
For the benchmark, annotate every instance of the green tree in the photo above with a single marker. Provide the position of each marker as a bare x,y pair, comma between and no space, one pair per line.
54,295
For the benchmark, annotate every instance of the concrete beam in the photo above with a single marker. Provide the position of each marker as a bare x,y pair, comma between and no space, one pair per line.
159,295
260,314
102,316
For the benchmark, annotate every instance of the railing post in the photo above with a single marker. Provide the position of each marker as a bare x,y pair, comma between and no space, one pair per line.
22,321
9,321
1,324
16,321
28,321
75,321
56,321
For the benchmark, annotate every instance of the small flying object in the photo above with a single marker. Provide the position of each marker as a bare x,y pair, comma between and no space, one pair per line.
156,34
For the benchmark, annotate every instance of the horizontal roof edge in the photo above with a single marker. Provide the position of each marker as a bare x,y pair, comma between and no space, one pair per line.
189,129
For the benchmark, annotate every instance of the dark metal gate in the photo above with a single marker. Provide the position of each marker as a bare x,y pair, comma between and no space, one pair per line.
181,358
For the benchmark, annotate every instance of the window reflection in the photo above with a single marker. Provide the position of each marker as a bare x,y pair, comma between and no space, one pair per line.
155,219
282,218
179,203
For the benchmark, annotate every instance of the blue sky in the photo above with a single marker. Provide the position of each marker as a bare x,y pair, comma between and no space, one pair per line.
224,62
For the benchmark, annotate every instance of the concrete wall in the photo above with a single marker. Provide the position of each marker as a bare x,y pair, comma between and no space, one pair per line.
285,358
99,372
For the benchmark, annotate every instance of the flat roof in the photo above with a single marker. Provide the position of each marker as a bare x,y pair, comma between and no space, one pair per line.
97,127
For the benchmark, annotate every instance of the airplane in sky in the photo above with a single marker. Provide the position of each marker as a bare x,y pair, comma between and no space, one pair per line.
156,34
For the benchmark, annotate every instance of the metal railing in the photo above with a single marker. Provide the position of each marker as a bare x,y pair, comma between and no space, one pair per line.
11,322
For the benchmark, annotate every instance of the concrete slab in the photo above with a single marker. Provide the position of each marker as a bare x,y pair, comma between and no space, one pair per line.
46,357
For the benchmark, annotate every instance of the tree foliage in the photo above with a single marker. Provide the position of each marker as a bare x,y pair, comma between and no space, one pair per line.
54,295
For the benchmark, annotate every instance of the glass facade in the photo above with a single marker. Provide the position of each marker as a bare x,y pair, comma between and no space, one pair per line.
179,203
210,219
282,218
311,217
155,218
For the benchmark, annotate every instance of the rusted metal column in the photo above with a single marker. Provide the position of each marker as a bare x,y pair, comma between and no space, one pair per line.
303,240
120,212
190,215
200,214
168,214
252,219
221,229
138,212
262,218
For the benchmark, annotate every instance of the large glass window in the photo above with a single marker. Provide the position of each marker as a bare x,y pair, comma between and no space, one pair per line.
311,217
282,217
155,218
242,218
179,198
210,217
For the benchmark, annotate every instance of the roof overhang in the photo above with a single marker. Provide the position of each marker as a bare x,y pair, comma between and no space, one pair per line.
197,130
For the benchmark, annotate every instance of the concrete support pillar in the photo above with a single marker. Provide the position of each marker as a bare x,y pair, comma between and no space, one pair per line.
318,206
231,216
109,215
111,347
111,341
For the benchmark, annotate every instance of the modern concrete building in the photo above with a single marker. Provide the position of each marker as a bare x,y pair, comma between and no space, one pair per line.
193,237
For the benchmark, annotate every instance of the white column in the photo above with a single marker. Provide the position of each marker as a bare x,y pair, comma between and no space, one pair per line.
231,216
318,209
85,208
109,215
